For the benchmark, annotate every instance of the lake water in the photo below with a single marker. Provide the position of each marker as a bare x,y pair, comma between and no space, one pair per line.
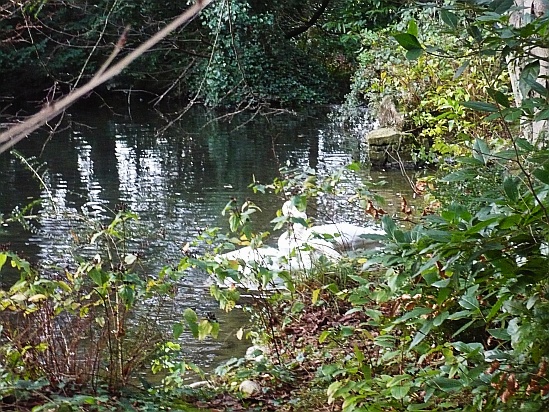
178,182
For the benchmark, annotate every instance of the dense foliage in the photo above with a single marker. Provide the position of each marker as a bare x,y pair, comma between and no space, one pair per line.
452,313
83,332
235,53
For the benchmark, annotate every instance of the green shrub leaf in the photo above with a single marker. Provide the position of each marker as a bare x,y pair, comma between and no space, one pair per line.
481,106
449,18
408,41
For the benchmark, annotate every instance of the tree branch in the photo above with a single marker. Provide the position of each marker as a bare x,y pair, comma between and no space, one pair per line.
302,29
16,133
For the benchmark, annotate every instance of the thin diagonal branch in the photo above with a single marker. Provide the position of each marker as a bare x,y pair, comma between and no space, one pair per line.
16,133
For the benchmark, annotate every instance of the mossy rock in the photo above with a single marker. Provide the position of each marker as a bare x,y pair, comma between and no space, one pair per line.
388,145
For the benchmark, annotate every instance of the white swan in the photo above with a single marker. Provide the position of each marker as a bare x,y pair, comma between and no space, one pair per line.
300,249
299,240
347,236
340,236
250,262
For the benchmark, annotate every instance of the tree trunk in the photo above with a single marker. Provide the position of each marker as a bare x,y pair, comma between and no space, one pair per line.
527,11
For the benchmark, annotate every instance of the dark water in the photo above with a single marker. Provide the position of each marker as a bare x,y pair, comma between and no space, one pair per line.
178,182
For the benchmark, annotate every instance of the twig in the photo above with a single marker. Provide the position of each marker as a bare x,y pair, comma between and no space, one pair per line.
22,130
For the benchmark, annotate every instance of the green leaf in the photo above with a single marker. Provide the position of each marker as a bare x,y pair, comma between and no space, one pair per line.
441,283
127,294
414,54
354,167
542,175
399,392
3,258
512,114
347,331
461,69
358,354
489,17
537,87
422,333
509,222
408,41
177,330
481,106
192,321
499,97
475,32
528,75
98,276
324,335
464,327
501,334
469,302
206,328
477,228
510,187
543,115
412,28
493,116
449,18
524,144
501,6
413,314
388,225
460,315
460,175
466,160
481,151
439,320
446,384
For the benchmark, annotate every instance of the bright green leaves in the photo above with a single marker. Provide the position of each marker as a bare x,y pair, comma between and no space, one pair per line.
410,42
399,386
3,259
199,328
99,277
240,217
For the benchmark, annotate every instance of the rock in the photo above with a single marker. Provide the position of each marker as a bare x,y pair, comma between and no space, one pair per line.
249,388
388,145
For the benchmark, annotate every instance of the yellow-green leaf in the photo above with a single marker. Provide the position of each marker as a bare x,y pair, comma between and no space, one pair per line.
37,297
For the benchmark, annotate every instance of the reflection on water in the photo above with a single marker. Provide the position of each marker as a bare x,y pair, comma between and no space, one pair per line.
177,182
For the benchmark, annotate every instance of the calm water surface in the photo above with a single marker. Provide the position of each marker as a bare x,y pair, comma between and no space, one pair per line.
178,182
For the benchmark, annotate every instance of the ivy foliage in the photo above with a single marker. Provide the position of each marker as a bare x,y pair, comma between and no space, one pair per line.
235,53
252,63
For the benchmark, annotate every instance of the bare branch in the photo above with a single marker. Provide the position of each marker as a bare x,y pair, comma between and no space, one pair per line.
302,29
16,133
